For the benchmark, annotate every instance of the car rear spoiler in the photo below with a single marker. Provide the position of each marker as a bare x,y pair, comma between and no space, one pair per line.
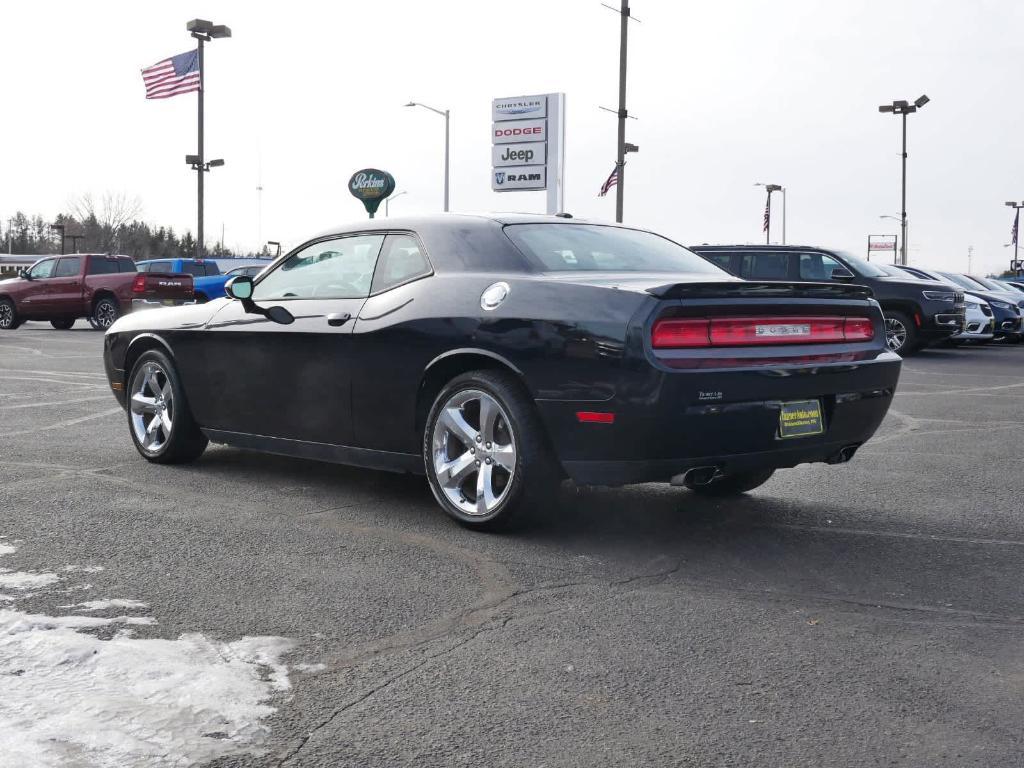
754,290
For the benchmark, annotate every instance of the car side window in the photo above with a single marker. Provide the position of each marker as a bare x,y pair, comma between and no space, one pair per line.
401,260
196,270
817,266
68,267
43,269
101,266
341,268
765,265
723,260
143,267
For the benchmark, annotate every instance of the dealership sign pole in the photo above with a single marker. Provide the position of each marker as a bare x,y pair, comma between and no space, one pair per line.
528,146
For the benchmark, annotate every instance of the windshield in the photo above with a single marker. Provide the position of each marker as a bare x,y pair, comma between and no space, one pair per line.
1007,286
989,283
865,268
963,281
593,248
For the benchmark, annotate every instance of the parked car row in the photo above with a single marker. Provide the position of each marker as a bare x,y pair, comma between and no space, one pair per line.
922,307
101,287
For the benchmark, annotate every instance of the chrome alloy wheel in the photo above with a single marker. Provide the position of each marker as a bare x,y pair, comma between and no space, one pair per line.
895,334
106,313
474,452
6,315
152,407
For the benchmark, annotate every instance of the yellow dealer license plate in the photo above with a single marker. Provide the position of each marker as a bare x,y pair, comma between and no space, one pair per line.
800,418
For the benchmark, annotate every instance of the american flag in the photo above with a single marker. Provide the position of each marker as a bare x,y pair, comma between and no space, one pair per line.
610,182
1013,232
767,213
178,74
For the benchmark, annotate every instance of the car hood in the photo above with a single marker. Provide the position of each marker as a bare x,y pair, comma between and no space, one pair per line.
186,317
923,285
12,280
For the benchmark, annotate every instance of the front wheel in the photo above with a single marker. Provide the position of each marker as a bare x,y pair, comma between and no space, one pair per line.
733,485
486,454
900,332
159,419
9,319
104,313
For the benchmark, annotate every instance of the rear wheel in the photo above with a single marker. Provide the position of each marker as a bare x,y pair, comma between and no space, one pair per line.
9,319
63,323
900,332
733,485
104,312
487,458
159,419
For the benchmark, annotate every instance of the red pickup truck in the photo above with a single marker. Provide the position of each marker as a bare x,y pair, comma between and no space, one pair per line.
100,287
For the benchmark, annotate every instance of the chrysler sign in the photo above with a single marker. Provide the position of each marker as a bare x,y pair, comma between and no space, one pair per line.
519,108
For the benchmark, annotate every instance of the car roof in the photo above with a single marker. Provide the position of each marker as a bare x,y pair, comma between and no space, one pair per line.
758,247
442,221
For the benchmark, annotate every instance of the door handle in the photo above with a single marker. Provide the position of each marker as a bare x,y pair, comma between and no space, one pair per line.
337,319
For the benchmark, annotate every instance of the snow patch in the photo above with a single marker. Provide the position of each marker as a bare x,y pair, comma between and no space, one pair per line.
102,605
71,698
26,579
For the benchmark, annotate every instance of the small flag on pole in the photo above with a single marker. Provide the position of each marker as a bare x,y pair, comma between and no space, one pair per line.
610,182
169,77
767,213
1013,232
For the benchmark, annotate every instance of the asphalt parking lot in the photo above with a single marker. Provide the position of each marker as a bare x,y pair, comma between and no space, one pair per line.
867,614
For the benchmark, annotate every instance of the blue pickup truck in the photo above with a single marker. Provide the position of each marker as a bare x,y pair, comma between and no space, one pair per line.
207,277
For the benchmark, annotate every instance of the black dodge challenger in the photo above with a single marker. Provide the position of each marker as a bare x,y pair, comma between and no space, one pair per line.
500,354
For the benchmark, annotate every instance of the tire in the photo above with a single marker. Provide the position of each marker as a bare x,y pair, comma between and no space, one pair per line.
9,319
104,312
63,323
155,392
900,332
734,485
522,470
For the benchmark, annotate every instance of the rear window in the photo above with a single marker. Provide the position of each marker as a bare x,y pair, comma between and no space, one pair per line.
594,248
126,265
100,265
196,270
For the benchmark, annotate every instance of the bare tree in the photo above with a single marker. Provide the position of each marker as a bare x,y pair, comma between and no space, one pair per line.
113,210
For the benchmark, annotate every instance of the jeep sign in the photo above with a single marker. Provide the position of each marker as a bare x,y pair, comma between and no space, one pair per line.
518,154
518,177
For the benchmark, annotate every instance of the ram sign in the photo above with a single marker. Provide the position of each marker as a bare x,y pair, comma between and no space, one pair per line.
518,177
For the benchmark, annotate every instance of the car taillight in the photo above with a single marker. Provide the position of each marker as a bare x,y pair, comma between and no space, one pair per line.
139,283
757,331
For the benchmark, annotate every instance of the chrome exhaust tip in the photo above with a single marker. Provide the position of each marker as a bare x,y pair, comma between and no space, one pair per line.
697,476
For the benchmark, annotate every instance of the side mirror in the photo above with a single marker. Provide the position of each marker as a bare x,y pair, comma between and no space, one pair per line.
239,287
23,272
842,273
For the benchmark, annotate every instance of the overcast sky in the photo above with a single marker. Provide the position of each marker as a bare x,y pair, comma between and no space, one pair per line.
726,94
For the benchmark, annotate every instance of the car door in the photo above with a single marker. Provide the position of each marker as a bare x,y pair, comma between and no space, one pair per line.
293,381
37,302
64,289
817,267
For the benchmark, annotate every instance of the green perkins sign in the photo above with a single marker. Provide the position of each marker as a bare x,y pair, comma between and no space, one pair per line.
371,186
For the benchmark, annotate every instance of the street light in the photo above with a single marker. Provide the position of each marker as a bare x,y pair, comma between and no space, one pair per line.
446,115
904,108
59,227
203,31
775,188
1016,229
388,199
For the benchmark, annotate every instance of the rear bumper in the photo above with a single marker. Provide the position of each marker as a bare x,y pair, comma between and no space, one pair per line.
727,418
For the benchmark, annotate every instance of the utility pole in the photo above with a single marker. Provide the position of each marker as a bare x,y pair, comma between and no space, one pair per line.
904,108
620,156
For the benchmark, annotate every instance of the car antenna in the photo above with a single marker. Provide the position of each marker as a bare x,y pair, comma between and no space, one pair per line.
564,215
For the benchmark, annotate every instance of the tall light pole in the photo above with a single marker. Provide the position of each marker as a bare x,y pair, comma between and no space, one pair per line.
1016,230
203,31
904,108
776,188
389,198
446,114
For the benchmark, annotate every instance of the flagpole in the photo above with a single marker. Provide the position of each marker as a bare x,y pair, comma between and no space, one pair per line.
201,165
620,158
